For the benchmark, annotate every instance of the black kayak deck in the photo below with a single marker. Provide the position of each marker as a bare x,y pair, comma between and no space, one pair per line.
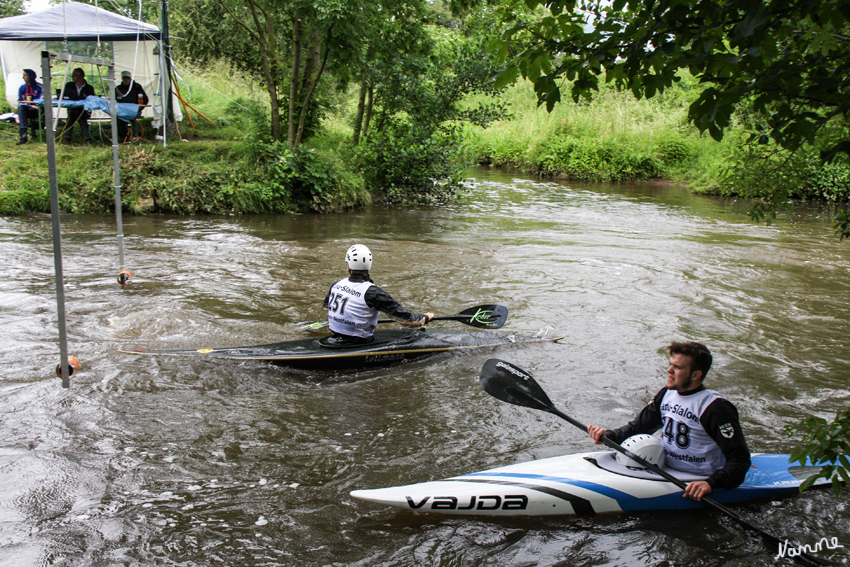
392,346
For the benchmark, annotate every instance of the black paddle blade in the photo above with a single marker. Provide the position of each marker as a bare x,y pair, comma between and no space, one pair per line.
506,382
484,316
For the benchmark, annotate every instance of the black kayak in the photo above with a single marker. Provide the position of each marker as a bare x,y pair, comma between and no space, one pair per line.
392,346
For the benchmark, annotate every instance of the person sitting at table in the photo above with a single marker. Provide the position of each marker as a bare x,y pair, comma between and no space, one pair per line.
28,92
129,91
77,89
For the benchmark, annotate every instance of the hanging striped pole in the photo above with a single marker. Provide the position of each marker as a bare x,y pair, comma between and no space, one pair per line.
123,275
63,369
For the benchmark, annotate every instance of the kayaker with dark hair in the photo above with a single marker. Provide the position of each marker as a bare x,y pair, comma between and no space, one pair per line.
701,431
354,303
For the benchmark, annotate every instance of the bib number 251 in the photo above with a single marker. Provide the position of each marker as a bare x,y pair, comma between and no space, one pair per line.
337,303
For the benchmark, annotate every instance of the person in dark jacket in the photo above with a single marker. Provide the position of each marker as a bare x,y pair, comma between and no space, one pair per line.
77,89
354,303
29,91
701,433
131,92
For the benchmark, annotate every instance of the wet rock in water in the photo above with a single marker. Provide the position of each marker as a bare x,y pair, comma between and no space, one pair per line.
232,451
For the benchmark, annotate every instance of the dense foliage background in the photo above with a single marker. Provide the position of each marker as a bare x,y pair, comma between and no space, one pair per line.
327,105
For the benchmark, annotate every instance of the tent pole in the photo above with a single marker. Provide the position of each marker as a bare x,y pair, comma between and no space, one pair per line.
54,213
162,95
164,90
166,42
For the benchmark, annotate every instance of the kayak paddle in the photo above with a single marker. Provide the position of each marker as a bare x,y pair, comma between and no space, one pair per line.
481,317
511,384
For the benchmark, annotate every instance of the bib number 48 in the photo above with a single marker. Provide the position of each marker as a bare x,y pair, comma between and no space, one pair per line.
681,436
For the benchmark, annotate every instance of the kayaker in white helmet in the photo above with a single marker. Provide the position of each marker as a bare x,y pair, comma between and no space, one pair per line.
701,432
354,303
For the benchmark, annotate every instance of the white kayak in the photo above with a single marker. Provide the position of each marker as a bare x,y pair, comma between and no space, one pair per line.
583,483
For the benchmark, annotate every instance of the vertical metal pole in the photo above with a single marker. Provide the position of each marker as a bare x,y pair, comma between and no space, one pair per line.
163,80
166,44
54,212
162,92
113,110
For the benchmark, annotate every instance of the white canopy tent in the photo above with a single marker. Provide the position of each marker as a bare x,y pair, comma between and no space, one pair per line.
83,29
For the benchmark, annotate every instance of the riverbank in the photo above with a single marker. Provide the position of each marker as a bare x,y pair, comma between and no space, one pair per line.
198,176
217,164
227,165
612,139
616,138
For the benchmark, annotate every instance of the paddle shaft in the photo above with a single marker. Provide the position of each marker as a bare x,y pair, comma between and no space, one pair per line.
441,318
323,324
481,317
803,558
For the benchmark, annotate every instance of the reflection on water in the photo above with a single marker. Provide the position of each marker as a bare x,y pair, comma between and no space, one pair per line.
149,461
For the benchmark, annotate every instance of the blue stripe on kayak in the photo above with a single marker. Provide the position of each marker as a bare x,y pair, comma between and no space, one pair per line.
630,503
625,500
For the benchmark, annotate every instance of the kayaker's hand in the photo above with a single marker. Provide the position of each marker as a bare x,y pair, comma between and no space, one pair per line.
596,433
418,323
697,490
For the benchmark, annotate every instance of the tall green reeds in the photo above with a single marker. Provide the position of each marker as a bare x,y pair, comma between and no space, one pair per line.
612,138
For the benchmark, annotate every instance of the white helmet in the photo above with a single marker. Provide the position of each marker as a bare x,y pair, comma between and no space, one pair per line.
359,257
647,447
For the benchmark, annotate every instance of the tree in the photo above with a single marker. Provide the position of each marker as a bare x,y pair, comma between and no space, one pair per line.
789,60
10,8
148,12
396,43
414,151
287,44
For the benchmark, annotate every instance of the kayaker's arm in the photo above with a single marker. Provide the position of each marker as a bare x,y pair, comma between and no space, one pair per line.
647,421
327,299
377,298
720,421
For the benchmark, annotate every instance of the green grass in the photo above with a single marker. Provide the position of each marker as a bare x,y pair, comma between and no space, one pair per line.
612,138
618,138
225,98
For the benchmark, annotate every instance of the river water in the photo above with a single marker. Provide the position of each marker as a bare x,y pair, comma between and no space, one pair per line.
192,462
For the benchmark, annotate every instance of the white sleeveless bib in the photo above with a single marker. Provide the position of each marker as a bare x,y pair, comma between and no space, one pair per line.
687,446
348,313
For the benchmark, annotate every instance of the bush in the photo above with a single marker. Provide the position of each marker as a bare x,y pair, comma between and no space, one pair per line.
762,171
405,161
830,181
24,201
826,444
592,160
304,179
